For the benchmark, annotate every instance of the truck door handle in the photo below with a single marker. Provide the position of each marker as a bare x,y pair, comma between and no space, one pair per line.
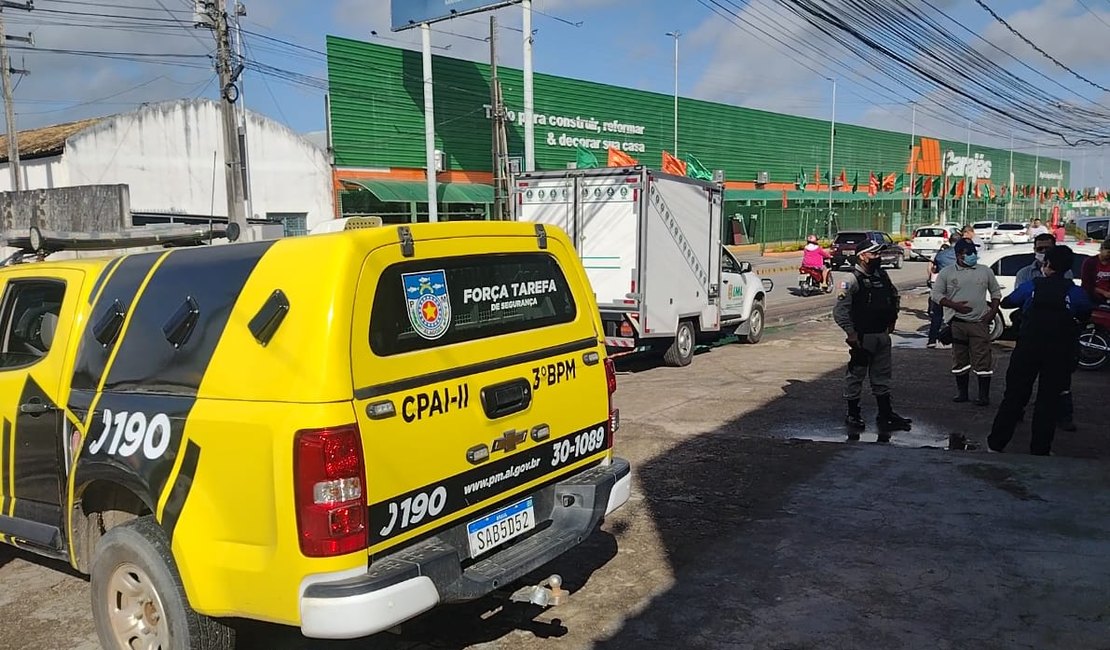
506,398
35,408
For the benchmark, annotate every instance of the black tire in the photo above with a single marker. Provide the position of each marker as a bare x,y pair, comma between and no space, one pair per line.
138,554
681,351
756,323
898,261
1093,359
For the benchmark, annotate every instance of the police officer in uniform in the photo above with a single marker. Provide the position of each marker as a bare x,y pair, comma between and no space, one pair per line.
1052,310
867,309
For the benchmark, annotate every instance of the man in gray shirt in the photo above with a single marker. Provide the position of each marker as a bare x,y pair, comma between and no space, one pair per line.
1041,245
962,289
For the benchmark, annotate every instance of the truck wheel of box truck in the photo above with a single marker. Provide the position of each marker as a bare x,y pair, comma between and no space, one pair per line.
681,351
755,324
138,600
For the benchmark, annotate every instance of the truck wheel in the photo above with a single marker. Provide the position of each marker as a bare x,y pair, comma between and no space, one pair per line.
681,352
137,597
755,324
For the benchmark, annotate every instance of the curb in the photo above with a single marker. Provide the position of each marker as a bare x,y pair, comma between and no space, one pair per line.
771,270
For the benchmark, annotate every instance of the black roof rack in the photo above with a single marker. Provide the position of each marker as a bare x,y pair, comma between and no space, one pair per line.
39,244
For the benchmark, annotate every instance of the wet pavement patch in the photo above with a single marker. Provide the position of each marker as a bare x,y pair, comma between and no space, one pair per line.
1002,478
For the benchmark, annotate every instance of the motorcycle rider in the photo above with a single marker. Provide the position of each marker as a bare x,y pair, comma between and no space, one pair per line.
813,257
1052,307
867,309
1095,276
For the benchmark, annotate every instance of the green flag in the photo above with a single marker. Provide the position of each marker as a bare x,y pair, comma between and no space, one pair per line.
825,177
936,187
855,183
900,183
694,169
801,181
919,186
952,191
586,159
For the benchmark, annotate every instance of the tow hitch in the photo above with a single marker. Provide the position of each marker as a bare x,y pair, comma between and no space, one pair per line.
549,593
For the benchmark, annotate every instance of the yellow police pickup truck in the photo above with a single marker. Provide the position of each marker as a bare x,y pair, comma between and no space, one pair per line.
335,432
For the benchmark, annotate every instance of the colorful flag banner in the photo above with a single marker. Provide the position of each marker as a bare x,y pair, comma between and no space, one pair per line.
585,159
618,158
694,169
672,165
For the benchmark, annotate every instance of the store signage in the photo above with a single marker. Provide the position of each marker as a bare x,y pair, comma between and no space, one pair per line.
571,132
1050,176
407,14
974,166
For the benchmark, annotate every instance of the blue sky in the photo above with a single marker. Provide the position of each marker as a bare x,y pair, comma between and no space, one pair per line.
617,42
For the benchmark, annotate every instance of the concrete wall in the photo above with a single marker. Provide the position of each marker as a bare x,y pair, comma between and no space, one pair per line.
35,174
164,153
93,208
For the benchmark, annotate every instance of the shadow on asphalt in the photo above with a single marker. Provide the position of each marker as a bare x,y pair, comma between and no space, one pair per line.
10,554
714,498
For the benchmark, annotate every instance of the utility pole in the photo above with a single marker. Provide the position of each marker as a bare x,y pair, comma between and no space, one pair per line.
967,176
500,146
529,93
913,162
676,35
241,113
832,144
216,19
6,76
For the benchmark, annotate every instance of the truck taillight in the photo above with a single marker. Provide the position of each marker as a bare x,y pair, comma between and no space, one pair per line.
328,475
611,384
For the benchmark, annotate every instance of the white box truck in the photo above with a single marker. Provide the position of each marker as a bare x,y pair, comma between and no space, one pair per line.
651,245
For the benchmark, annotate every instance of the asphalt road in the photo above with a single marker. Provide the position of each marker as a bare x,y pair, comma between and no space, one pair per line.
753,524
786,305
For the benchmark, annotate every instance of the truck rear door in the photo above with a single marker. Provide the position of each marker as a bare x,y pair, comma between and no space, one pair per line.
477,378
547,200
609,221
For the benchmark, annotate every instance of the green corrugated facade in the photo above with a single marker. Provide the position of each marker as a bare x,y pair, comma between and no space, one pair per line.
376,97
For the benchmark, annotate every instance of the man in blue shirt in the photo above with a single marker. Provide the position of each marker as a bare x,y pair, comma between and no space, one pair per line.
1052,308
944,257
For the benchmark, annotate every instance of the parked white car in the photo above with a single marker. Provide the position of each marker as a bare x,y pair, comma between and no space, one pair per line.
927,240
1008,260
985,230
1010,233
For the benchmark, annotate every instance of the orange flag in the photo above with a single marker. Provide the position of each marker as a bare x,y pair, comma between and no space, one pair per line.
927,186
619,158
872,185
888,183
672,165
960,188
978,191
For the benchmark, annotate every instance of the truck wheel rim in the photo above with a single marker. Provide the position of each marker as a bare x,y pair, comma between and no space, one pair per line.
135,610
685,342
757,323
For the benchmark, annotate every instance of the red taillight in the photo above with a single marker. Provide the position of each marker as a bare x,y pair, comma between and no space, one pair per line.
328,476
611,384
626,330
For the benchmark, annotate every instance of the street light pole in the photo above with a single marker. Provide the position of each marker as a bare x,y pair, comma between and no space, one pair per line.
832,144
913,159
675,35
967,185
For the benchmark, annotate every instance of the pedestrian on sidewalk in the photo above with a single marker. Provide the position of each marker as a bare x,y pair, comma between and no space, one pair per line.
1053,309
867,310
962,290
946,256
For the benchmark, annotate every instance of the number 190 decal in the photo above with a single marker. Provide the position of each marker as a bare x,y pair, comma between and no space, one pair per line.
133,431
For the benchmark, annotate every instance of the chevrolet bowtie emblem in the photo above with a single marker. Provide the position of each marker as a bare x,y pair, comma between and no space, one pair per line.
509,440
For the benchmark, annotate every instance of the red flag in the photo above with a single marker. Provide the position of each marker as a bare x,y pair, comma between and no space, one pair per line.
872,185
784,201
672,165
990,189
619,158
888,182
927,188
843,177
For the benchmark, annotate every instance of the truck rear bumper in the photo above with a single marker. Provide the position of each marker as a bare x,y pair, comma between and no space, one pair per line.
411,581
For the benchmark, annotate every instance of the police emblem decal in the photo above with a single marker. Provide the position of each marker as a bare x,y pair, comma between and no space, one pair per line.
429,304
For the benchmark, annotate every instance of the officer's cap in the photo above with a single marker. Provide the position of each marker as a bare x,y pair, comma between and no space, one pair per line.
869,248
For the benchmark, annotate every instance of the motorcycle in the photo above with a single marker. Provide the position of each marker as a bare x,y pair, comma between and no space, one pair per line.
809,280
1094,341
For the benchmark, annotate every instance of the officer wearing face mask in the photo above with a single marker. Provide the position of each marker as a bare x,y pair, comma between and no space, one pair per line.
866,309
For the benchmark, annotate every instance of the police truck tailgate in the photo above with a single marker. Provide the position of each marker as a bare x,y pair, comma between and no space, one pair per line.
478,378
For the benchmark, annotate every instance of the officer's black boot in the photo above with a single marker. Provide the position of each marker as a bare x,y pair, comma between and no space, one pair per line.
888,420
854,420
984,391
962,382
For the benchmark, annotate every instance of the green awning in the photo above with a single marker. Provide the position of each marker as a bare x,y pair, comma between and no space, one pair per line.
388,191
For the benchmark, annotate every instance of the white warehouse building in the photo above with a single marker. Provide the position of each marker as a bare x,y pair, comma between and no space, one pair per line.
170,155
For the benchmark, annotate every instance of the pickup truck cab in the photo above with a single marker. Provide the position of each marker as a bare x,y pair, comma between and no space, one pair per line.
420,415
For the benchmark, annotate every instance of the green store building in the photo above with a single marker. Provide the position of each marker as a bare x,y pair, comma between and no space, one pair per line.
376,132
